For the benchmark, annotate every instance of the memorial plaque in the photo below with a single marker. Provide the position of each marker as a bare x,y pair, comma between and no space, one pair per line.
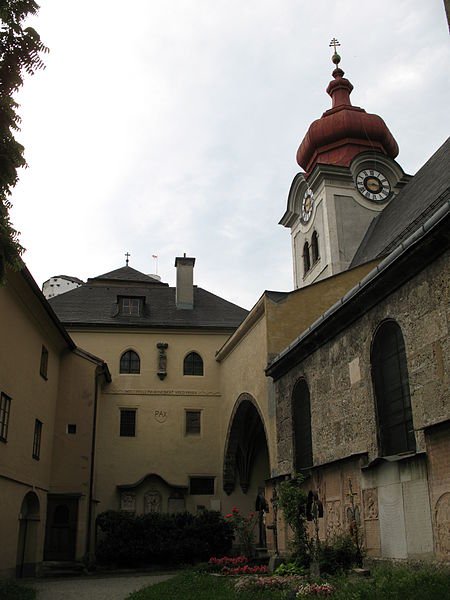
392,521
442,520
419,535
152,502
128,502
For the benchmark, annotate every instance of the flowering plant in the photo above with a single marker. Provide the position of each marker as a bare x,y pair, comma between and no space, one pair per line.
268,583
228,561
243,528
245,570
235,565
314,589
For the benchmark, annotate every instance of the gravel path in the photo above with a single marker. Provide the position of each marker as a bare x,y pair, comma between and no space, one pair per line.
94,588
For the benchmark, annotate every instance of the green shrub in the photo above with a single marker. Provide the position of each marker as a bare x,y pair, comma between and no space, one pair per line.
156,538
339,554
290,568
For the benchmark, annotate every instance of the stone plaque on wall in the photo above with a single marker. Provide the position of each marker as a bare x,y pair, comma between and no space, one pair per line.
392,521
128,502
370,499
152,502
442,521
419,535
334,519
176,505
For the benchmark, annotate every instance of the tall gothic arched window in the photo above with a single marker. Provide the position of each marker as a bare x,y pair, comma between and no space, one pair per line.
130,362
301,417
315,247
306,258
391,386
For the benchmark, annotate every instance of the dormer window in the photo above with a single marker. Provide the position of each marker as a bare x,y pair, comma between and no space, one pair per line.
131,307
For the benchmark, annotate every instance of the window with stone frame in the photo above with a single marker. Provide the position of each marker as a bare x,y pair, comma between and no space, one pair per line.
193,364
201,486
193,422
391,388
131,306
130,363
306,258
5,407
315,247
301,420
127,422
44,362
37,439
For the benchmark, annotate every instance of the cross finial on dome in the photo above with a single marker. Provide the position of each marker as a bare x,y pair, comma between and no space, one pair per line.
127,258
335,58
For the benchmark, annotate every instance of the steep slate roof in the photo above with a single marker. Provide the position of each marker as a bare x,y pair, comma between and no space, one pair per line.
414,204
126,274
95,303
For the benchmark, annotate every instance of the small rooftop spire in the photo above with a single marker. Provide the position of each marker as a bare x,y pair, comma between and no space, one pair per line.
127,256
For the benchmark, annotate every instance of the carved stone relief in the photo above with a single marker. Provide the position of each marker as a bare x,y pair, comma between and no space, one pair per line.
370,499
152,502
333,516
442,520
162,359
128,502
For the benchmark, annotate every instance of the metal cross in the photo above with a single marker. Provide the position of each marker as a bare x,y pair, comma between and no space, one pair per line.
127,256
334,43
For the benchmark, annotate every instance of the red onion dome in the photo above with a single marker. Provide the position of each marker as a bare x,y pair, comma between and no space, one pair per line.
343,131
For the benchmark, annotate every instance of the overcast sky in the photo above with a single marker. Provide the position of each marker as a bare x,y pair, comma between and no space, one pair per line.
163,127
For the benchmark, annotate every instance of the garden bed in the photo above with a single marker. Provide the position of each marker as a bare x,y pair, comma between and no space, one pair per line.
393,583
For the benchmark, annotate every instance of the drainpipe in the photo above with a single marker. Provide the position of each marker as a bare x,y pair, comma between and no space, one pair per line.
98,373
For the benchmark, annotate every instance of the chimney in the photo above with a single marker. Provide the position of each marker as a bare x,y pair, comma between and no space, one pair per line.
185,282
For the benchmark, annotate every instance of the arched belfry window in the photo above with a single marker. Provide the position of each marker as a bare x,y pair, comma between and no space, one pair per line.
301,418
391,387
193,364
306,258
130,362
315,247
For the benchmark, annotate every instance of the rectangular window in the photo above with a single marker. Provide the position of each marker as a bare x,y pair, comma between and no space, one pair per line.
71,428
127,423
44,362
5,405
37,439
193,422
131,307
201,486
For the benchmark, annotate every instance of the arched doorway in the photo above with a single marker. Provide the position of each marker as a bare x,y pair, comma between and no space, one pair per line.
246,452
29,518
61,527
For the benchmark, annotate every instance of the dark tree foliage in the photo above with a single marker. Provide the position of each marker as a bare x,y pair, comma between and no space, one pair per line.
20,50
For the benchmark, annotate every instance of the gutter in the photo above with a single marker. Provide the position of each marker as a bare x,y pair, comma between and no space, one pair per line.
46,306
101,371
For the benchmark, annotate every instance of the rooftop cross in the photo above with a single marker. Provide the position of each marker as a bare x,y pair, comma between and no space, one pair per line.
127,257
335,58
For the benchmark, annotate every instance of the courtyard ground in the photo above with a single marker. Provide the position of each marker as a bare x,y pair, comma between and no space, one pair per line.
94,588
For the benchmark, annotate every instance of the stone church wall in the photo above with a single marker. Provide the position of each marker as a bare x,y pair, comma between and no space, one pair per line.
344,428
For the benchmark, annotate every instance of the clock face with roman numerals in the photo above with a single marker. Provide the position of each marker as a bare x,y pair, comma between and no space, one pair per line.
373,185
307,206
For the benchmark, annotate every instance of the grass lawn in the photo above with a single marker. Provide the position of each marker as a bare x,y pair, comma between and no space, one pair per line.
386,583
10,590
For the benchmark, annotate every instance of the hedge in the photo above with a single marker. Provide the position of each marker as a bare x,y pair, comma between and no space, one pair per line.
125,539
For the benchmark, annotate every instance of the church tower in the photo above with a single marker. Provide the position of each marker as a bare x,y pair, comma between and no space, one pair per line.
349,176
